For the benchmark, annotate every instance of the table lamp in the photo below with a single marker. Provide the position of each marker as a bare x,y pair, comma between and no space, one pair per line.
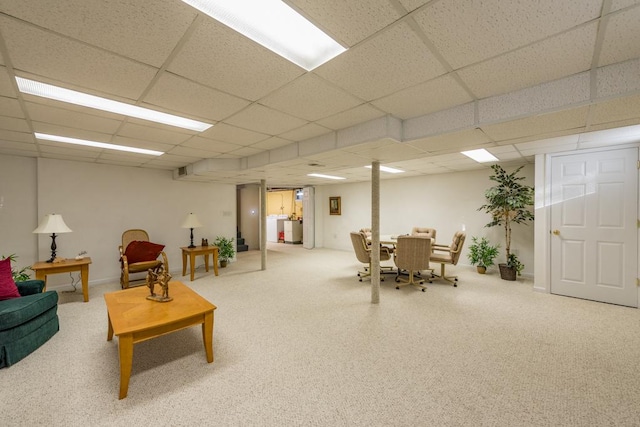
191,222
52,223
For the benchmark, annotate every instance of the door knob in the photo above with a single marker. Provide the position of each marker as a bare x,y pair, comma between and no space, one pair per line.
556,232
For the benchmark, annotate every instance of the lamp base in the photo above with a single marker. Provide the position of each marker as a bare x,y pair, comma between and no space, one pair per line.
191,246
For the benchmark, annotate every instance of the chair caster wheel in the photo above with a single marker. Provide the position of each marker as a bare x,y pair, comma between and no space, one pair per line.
423,290
397,287
360,280
382,279
397,281
455,285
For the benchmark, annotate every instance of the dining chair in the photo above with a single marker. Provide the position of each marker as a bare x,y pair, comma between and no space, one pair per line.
363,253
412,254
448,255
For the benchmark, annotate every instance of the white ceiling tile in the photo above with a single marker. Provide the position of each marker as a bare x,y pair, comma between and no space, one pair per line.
536,125
617,79
560,56
10,135
181,95
438,94
572,90
210,145
451,141
67,61
265,120
10,107
8,147
411,5
246,151
392,60
47,113
622,37
193,152
615,110
219,57
388,152
467,32
293,98
305,132
233,134
14,124
147,34
349,21
141,143
151,133
345,119
621,4
6,83
271,143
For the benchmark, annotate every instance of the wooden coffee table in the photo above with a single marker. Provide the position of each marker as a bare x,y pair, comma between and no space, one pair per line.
133,318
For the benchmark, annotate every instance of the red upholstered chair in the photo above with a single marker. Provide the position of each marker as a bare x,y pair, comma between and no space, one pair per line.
138,255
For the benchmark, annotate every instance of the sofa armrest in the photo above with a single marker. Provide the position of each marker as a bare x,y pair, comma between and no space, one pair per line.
30,287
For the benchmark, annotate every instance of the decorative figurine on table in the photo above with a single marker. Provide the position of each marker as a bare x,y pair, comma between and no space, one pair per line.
205,242
161,277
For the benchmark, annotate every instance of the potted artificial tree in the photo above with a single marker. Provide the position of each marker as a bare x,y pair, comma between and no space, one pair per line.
481,253
508,202
226,250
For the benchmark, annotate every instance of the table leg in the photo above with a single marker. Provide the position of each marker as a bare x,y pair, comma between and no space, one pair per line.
192,264
206,262
110,330
207,335
84,273
41,276
215,262
125,344
184,263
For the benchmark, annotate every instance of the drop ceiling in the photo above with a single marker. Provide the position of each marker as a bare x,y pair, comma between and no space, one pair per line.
420,82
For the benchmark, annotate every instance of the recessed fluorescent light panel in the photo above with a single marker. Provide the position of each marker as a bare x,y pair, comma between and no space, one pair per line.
319,175
67,140
78,98
387,169
276,26
480,156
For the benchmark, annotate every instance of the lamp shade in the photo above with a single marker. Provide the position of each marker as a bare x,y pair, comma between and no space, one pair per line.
52,224
191,221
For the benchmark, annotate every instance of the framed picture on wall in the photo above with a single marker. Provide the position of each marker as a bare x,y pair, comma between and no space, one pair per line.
334,205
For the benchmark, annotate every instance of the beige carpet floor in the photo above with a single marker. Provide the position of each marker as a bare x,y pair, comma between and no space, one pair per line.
300,344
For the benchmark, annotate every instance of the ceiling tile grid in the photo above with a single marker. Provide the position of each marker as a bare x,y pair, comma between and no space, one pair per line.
421,80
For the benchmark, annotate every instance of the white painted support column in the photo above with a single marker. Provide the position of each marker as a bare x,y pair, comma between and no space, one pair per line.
375,232
263,224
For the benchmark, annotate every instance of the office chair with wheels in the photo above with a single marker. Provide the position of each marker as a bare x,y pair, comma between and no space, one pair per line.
448,255
412,254
363,253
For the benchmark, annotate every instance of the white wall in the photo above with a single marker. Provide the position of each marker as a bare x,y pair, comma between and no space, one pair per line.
18,214
250,215
99,202
446,202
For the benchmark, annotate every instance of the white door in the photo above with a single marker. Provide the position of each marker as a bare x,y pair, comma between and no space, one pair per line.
594,240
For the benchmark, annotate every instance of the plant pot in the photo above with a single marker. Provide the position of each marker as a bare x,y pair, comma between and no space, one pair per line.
506,272
223,263
481,269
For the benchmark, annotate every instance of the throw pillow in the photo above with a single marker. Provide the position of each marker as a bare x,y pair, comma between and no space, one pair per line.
141,251
8,288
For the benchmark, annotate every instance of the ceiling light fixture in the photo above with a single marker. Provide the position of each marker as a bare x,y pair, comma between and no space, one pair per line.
387,169
319,175
68,140
44,90
276,26
480,156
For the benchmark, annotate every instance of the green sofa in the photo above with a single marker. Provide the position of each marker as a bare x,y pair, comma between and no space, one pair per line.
27,322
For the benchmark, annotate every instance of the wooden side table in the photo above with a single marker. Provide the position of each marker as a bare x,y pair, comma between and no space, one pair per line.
199,250
43,269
